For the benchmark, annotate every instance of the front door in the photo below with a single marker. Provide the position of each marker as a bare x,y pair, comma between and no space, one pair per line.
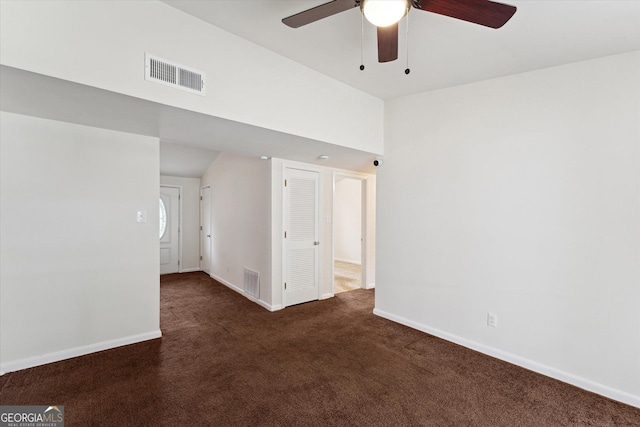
301,236
169,230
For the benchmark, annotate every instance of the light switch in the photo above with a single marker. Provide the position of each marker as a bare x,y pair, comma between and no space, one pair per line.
142,216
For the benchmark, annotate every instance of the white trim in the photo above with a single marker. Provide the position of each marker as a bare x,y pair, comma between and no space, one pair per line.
327,296
540,368
57,356
370,286
245,294
190,270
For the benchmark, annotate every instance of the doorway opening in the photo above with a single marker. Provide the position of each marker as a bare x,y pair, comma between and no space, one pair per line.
349,220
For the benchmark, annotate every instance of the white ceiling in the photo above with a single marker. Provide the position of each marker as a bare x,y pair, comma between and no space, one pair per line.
443,52
184,160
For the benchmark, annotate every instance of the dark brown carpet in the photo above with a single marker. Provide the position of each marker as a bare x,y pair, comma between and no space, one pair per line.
224,361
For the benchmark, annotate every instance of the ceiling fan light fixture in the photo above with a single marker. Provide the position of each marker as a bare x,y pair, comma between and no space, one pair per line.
383,13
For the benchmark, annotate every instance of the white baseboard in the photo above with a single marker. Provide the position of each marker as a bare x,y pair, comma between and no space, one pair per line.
190,270
350,261
370,286
540,368
43,359
246,295
326,296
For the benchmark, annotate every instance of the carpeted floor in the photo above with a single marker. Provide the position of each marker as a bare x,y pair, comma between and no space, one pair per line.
225,361
346,276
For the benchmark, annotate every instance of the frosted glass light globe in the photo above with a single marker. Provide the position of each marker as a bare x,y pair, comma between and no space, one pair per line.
383,13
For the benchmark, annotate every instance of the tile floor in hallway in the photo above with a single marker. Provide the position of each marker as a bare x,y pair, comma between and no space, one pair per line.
347,277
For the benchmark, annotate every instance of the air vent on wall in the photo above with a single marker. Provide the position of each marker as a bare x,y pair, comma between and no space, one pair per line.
252,282
175,75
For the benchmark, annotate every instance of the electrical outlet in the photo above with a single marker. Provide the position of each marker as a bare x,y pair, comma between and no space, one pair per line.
492,320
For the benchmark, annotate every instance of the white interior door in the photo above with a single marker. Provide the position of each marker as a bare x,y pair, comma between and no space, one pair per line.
169,230
205,229
301,238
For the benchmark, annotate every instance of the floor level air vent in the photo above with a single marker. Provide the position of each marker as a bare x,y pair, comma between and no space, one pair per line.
175,75
252,283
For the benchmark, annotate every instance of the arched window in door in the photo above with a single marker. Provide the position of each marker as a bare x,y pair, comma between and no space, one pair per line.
163,218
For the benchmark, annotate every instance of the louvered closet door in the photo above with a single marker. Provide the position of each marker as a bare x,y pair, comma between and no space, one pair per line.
301,240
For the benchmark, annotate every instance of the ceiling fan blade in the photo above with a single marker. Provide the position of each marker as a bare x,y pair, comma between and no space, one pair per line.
482,12
319,12
388,43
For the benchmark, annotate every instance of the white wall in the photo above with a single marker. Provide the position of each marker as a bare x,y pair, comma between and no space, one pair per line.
102,44
190,232
521,196
347,220
241,222
78,273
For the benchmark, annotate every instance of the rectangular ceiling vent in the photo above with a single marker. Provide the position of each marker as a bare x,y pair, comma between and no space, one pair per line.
252,282
175,75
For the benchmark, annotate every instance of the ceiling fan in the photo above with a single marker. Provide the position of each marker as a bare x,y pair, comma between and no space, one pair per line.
385,14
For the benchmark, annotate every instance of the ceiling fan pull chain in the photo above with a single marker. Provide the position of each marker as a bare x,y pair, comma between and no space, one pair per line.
407,70
361,42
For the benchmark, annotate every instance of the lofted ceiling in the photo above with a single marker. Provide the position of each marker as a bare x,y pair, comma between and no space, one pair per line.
442,52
